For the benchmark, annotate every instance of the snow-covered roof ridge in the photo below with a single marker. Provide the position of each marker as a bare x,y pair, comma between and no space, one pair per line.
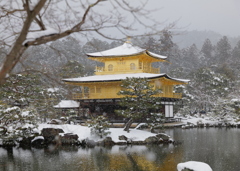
127,49
119,77
156,55
67,104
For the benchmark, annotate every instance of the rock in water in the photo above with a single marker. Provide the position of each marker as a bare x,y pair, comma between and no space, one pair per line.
51,135
193,166
163,136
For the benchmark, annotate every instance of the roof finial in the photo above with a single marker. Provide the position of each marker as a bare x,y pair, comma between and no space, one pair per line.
128,39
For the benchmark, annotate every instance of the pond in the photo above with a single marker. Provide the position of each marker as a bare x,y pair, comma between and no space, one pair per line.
217,147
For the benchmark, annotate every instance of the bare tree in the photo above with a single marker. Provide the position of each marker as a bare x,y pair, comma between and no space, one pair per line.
25,23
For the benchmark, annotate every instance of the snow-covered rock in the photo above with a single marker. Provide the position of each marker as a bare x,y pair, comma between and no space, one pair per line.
194,165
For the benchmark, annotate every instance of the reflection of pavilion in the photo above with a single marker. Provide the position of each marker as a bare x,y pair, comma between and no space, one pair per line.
99,92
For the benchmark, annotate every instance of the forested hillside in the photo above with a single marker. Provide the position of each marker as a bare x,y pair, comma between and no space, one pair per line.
212,67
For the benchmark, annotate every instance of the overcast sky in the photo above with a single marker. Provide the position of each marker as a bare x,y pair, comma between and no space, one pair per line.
222,16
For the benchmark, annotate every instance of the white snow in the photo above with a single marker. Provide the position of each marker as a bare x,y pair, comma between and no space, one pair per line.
235,100
38,138
194,165
195,120
25,113
156,55
52,90
11,109
31,36
118,77
124,50
67,104
84,132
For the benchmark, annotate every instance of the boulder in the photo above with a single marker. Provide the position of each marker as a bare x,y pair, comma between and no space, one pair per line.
38,142
26,142
200,124
122,137
151,140
219,124
138,143
47,132
108,141
120,143
51,135
208,125
69,138
90,143
163,136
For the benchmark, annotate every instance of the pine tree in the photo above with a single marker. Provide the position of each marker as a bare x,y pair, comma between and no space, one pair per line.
166,43
72,69
152,45
16,122
235,63
191,58
207,50
138,99
207,86
223,50
99,126
25,90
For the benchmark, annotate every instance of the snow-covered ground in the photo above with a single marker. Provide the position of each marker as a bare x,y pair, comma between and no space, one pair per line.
84,132
209,120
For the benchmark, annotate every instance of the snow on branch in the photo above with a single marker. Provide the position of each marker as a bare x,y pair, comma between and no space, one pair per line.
32,36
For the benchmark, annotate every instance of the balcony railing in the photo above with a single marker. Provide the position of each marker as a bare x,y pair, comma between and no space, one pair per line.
76,96
124,69
82,96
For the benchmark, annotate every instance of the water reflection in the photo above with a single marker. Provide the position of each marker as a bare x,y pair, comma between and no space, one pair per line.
217,147
121,158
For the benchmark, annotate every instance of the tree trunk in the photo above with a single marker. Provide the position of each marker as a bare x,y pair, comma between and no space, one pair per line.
128,125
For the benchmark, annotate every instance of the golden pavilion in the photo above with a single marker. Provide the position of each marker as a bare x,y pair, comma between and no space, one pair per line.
99,92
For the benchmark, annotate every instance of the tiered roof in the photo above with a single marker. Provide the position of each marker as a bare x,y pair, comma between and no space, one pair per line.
119,77
127,49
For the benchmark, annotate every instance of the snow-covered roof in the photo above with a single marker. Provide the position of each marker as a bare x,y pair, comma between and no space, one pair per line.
127,49
67,104
119,77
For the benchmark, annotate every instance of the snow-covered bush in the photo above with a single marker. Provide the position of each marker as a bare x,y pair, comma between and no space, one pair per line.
155,120
184,111
99,126
223,107
16,122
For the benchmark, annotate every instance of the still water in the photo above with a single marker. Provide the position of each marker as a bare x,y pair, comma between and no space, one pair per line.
220,148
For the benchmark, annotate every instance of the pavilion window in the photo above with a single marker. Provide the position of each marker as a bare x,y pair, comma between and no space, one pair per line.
110,67
140,65
86,90
132,66
92,90
98,90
